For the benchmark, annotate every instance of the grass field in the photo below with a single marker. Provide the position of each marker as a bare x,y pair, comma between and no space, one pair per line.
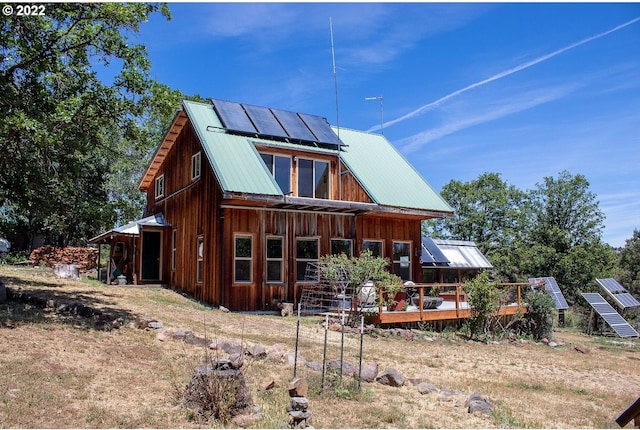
57,370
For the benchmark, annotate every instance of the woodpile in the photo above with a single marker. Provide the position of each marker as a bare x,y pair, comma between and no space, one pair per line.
86,258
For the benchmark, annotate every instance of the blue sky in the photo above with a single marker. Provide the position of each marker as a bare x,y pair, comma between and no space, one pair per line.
524,90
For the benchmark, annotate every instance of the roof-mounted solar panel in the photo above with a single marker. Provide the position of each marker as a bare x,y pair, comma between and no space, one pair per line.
433,252
293,125
551,286
321,129
610,315
264,121
618,293
233,116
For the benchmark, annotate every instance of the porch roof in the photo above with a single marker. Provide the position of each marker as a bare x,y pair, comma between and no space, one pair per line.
133,228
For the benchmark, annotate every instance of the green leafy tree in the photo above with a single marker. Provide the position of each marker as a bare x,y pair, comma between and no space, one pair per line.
629,264
564,239
61,124
489,212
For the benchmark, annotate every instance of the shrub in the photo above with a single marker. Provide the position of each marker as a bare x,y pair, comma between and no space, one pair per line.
539,319
484,300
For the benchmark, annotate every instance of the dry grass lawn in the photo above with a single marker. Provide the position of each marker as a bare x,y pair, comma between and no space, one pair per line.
58,371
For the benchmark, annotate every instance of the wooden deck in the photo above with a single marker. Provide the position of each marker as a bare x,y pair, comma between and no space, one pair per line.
449,309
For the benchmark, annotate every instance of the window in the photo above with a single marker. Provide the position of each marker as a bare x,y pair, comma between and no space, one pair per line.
402,260
342,246
160,186
280,168
199,259
313,179
375,246
275,259
195,165
243,254
174,248
307,255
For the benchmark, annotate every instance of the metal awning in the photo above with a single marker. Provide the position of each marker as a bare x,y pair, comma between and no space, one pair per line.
132,228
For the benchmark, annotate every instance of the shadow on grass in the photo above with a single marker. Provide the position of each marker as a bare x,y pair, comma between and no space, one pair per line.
39,301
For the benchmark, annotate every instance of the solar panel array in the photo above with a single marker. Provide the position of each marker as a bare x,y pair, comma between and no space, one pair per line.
551,286
249,119
431,253
618,293
609,314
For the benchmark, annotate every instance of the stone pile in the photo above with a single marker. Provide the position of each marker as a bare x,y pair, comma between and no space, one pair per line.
298,408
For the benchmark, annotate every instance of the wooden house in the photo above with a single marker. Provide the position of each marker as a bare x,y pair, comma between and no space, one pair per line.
251,197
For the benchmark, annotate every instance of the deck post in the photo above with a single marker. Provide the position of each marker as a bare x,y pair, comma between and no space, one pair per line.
519,297
458,300
421,302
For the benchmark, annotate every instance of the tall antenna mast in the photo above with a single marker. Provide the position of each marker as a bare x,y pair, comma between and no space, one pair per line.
335,76
381,110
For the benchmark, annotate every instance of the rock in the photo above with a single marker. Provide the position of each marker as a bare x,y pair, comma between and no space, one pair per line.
223,309
368,373
268,384
236,360
163,336
298,387
179,334
298,404
286,309
478,404
155,324
426,388
257,351
300,415
581,348
391,377
545,341
140,322
552,344
244,420
347,368
314,365
290,359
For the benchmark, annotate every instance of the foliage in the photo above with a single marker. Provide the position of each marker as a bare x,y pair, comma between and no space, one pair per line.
359,270
484,300
629,264
489,212
75,87
539,319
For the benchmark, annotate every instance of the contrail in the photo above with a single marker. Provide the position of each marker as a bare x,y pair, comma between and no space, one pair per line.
503,74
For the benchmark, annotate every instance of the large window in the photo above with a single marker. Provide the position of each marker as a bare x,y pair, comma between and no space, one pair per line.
307,255
200,259
275,259
280,168
342,246
375,246
196,163
159,186
313,178
402,260
243,255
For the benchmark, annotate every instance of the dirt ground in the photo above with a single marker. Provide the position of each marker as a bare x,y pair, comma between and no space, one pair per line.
61,370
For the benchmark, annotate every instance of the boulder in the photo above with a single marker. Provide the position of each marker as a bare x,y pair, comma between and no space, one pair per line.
257,351
347,368
368,373
581,348
391,377
290,359
478,404
426,388
298,387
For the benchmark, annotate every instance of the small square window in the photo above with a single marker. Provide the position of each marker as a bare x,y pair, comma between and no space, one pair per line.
160,186
196,165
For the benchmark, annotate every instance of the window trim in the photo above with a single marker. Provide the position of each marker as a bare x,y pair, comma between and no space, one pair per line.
313,176
307,260
236,258
196,165
174,249
410,243
381,241
159,186
342,239
272,168
272,259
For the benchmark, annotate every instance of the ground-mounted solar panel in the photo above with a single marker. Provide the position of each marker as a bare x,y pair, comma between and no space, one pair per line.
551,286
233,116
610,315
293,125
618,293
437,255
321,129
264,121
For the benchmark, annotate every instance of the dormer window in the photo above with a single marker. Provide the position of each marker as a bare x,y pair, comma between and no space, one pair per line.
160,186
280,168
313,178
196,166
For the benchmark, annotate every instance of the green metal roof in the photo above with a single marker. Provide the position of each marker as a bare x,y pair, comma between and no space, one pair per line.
385,174
235,161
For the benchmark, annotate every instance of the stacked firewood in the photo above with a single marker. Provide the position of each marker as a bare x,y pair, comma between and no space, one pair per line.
86,258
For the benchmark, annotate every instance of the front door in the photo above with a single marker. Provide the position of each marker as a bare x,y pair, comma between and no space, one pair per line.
151,244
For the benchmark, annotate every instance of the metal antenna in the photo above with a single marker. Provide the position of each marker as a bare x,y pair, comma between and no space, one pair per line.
335,76
381,111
